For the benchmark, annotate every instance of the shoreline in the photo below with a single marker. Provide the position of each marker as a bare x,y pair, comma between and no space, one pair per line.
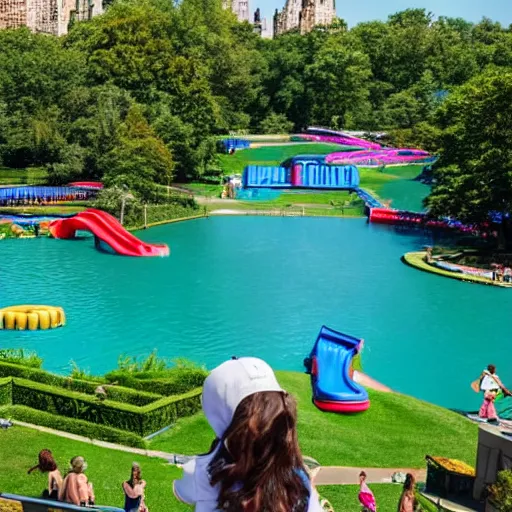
415,259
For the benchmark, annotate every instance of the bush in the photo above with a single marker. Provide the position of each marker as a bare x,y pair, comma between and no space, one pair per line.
73,426
6,391
501,492
139,420
21,357
157,374
117,393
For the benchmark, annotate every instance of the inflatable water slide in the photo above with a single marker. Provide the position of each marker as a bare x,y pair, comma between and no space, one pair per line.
330,366
106,230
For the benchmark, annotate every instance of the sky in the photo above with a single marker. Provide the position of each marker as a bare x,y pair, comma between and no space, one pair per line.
355,11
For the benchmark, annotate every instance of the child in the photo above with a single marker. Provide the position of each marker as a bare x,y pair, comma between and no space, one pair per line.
255,464
366,497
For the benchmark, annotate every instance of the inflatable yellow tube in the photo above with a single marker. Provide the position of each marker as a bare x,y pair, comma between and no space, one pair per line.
32,317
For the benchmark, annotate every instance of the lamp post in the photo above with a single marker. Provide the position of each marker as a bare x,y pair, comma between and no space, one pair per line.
126,195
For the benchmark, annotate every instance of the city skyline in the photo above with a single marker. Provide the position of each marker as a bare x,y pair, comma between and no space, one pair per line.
368,10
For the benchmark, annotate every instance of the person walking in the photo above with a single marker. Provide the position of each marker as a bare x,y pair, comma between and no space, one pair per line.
491,386
366,497
408,502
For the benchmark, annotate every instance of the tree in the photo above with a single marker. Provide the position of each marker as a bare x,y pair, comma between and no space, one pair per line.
276,123
337,82
474,173
140,159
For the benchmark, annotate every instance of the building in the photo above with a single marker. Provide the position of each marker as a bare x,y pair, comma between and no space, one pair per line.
47,16
304,15
239,7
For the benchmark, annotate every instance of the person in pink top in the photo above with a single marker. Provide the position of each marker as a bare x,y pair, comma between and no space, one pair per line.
408,502
76,489
366,497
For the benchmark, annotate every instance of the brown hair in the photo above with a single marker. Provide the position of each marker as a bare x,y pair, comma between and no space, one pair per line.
363,474
46,461
492,369
135,476
258,466
409,483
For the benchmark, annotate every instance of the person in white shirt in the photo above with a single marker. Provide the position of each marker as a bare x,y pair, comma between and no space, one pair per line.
255,464
491,386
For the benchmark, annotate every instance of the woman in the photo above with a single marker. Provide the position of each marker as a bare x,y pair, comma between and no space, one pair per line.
408,502
366,497
255,464
76,489
134,491
491,386
48,465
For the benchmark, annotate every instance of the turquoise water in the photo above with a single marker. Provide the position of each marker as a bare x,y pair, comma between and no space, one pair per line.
263,286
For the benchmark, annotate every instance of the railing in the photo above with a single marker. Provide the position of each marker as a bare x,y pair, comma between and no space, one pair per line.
39,505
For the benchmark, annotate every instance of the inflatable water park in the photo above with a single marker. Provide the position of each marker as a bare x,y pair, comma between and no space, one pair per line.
108,232
330,367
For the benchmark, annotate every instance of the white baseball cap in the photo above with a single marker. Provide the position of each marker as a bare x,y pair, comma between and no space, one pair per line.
231,382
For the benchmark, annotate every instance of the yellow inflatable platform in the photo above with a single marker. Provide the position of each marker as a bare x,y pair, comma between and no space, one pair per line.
31,318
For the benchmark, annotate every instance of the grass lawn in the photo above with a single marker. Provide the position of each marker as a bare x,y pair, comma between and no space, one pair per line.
30,176
271,155
397,431
43,210
107,469
386,496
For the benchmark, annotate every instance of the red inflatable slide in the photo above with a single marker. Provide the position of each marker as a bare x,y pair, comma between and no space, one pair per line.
107,229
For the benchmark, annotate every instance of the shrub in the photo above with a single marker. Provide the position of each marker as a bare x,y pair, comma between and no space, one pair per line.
162,376
73,426
117,393
501,492
139,420
20,356
5,391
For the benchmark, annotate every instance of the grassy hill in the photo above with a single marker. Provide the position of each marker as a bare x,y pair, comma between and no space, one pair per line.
397,431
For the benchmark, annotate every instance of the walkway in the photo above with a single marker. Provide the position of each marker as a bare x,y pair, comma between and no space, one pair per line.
323,475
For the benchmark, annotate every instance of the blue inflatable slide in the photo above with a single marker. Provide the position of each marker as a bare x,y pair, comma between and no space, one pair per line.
330,366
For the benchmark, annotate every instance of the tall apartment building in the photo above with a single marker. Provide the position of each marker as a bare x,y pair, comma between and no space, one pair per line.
239,7
47,16
304,15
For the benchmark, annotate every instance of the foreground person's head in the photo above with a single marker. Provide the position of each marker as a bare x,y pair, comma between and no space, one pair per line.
78,465
256,464
46,461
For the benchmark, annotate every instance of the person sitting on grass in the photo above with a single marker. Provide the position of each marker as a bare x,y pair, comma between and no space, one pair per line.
76,489
254,464
491,385
134,491
408,501
366,497
48,465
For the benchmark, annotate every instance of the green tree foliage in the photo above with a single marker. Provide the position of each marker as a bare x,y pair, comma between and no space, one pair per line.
474,173
276,123
137,96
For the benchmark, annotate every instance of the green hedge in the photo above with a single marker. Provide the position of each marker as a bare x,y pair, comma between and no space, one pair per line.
116,393
139,420
73,426
167,410
76,405
183,380
6,391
